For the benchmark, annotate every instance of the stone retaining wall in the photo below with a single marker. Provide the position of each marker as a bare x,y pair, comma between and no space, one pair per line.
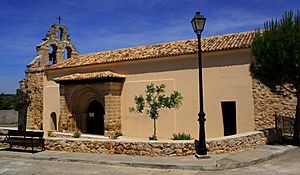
228,144
266,104
121,147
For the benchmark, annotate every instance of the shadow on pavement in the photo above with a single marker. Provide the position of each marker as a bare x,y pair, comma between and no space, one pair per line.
20,150
286,140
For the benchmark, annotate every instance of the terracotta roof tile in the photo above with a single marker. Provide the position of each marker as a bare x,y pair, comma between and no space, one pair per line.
89,76
209,44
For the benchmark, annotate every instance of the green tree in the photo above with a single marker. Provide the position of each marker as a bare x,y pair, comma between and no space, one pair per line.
277,58
6,101
155,99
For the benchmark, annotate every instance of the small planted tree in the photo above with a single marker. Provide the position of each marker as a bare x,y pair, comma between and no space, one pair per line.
155,99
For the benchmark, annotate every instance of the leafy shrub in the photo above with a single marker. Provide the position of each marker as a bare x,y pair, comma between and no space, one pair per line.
77,134
51,134
181,136
116,135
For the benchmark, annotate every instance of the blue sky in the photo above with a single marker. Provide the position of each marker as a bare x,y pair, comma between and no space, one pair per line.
98,25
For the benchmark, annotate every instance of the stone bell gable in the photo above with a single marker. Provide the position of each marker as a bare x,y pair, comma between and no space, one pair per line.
55,48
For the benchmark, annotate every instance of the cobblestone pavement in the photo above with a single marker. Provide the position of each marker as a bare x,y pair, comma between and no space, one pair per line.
286,164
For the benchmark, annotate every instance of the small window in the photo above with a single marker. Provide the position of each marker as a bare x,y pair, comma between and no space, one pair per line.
53,121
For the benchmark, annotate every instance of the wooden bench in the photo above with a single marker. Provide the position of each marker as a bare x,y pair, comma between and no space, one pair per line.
24,138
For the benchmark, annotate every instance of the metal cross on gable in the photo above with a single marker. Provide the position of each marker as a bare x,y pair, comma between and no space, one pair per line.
59,19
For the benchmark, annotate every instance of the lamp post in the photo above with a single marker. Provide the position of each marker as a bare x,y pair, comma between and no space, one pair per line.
198,23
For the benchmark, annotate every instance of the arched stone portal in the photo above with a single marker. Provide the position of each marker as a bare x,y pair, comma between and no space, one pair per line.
95,118
79,98
91,104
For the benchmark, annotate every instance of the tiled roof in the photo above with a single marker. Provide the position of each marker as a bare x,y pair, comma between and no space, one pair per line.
89,76
209,44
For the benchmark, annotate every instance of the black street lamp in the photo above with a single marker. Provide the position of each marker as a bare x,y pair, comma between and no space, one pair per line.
198,23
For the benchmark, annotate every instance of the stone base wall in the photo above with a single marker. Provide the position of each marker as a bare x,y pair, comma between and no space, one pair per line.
266,104
241,142
34,83
228,144
121,147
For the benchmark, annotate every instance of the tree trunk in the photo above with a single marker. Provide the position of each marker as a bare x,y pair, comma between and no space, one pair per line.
22,119
296,134
21,106
154,134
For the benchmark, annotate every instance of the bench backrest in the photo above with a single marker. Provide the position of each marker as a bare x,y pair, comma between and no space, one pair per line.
25,133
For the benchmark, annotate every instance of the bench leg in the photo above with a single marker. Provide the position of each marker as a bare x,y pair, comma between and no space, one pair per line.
32,145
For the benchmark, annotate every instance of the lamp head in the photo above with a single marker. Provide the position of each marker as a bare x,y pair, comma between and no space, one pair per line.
198,23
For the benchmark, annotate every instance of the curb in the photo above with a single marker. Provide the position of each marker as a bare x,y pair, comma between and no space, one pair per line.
215,166
274,155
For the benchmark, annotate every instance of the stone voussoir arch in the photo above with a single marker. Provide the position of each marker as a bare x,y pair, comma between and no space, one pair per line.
79,102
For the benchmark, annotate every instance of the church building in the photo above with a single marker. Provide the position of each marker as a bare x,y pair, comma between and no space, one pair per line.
93,92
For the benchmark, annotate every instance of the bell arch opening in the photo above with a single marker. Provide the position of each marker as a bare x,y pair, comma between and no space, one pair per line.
67,53
60,33
52,54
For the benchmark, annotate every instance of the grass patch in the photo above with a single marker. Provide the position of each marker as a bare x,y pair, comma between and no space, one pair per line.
116,135
181,136
76,134
51,134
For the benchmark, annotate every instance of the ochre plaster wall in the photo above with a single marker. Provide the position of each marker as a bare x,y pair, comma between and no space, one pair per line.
231,83
223,81
226,78
51,102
